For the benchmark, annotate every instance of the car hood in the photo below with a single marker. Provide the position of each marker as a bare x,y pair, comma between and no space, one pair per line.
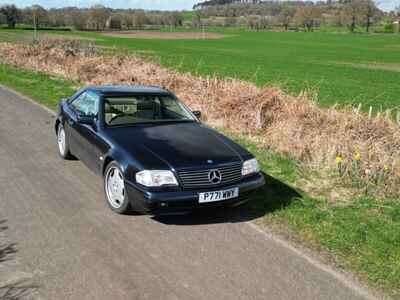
180,145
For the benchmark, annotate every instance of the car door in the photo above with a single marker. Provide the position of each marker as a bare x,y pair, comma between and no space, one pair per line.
83,137
70,122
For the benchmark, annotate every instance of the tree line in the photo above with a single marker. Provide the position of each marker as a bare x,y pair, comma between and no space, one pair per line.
288,15
97,17
295,14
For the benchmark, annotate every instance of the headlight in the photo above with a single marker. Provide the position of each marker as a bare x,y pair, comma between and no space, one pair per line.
250,166
156,178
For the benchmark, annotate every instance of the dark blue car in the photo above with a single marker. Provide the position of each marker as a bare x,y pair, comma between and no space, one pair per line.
154,154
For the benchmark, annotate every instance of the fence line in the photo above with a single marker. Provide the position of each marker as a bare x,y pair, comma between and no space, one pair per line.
389,114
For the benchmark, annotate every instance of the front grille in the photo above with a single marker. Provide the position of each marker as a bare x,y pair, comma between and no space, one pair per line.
199,178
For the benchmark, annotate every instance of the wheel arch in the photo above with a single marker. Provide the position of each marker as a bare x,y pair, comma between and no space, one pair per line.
107,160
125,162
116,156
58,122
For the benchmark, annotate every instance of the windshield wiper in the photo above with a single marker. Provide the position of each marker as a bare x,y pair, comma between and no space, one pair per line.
152,123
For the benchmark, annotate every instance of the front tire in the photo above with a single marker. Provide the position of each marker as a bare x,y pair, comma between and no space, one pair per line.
63,147
114,189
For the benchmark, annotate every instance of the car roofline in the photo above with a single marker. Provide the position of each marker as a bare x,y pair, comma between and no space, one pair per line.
128,90
121,94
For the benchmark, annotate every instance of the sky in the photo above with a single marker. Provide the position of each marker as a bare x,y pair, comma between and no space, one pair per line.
386,4
144,4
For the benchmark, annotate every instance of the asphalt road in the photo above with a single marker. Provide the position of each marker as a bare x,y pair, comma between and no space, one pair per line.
59,240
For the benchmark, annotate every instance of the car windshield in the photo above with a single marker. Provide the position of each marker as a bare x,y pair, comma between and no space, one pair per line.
130,110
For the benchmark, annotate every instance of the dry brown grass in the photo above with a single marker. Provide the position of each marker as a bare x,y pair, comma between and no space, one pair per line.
292,125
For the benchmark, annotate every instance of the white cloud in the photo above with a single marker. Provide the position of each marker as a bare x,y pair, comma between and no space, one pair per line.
388,4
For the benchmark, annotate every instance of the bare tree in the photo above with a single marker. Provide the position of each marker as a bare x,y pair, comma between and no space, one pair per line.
98,16
196,19
369,10
139,19
126,19
3,19
36,16
264,23
114,22
286,16
57,18
308,16
77,19
253,23
174,19
351,13
11,14
230,21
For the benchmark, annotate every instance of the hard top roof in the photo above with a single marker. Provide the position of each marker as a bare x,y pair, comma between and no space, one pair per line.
127,89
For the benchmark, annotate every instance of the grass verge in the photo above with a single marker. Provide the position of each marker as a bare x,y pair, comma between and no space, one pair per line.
41,87
361,235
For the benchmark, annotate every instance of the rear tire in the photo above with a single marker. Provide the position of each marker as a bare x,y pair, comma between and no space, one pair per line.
63,147
114,189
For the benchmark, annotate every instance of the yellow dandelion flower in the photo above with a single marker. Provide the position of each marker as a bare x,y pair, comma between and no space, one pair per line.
339,160
357,156
386,168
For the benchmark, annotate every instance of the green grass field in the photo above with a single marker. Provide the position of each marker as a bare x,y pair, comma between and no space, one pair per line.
341,68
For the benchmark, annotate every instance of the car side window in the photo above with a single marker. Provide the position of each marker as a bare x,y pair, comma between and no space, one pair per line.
172,108
86,104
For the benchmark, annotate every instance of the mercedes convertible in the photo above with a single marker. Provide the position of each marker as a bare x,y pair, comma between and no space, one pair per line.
155,154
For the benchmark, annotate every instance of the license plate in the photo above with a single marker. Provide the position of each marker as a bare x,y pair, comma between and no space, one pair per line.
218,195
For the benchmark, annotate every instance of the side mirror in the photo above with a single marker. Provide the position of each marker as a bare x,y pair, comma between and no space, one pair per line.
87,120
197,113
64,100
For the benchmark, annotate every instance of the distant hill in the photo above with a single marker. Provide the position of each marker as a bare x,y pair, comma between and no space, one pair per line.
223,2
385,5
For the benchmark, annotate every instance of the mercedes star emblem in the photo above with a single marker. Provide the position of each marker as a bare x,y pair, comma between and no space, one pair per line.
214,176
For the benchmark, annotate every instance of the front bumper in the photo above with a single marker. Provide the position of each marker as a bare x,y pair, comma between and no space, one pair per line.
161,202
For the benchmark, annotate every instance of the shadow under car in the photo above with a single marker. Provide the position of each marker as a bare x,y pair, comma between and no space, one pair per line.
274,195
